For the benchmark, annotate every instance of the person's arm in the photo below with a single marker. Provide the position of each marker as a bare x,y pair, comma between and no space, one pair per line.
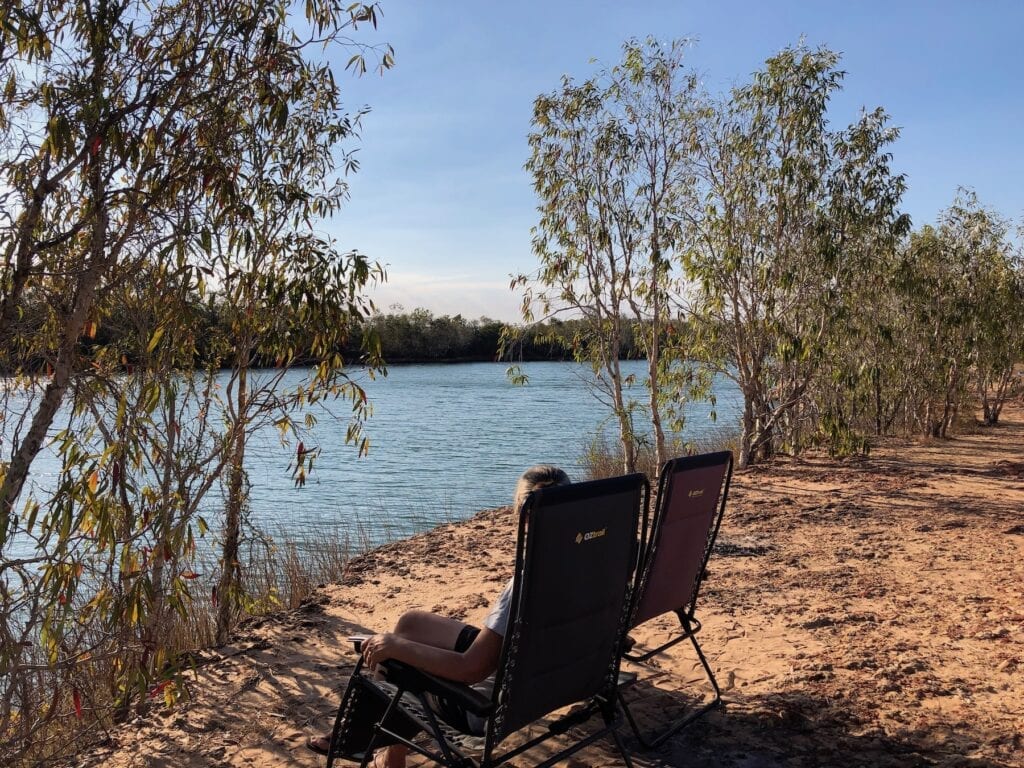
472,666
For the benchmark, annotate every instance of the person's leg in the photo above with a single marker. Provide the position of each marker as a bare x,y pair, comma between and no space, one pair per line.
429,629
390,757
423,627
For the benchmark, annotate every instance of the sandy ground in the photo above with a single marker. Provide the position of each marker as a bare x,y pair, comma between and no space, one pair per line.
859,613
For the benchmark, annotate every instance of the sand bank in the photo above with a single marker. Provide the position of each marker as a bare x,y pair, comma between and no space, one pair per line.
865,612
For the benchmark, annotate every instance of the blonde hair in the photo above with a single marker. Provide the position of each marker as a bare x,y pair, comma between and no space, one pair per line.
538,476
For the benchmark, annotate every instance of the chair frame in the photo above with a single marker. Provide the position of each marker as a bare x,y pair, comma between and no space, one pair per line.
411,685
689,624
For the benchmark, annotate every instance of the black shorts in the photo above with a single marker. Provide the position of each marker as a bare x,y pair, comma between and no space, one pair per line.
466,638
450,711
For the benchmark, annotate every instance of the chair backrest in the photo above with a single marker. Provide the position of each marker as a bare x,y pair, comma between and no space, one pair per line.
575,561
691,498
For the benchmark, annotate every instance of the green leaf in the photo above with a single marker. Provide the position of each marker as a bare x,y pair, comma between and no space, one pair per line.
155,339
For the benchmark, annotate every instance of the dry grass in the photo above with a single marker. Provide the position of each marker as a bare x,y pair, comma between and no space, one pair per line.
603,458
279,574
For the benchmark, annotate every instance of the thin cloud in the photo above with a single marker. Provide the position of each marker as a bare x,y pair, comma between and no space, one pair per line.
448,295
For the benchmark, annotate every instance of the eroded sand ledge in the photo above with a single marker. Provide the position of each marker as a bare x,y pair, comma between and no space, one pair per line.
858,613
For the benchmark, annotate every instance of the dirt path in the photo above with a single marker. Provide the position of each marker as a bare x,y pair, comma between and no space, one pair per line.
858,613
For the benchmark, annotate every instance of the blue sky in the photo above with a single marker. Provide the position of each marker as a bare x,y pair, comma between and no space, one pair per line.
442,198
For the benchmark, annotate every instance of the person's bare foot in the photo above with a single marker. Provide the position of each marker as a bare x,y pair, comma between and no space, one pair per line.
390,757
320,743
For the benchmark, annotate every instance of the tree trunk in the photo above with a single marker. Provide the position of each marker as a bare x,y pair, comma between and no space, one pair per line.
153,632
23,245
950,404
659,433
63,368
932,425
994,395
625,426
228,588
654,348
876,378
746,437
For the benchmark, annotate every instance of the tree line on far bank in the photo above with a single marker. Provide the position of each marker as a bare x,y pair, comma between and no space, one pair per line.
417,336
421,336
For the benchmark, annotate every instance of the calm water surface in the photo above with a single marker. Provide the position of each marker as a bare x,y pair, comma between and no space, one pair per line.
446,442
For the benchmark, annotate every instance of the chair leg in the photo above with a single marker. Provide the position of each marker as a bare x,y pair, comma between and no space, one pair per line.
452,758
345,702
707,669
392,705
627,761
632,722
640,658
678,724
356,699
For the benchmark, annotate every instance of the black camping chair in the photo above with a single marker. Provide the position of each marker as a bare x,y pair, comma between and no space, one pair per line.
691,500
575,560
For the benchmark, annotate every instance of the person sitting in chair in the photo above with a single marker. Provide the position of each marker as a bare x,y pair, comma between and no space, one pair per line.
446,647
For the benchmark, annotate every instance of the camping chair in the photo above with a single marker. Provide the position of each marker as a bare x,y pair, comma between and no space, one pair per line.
575,559
691,500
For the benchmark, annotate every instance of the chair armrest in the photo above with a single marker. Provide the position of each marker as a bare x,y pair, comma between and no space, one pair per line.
417,681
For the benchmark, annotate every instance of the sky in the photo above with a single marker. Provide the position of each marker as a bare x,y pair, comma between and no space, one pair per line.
441,198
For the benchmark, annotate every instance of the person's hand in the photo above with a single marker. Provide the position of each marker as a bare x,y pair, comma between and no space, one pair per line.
379,648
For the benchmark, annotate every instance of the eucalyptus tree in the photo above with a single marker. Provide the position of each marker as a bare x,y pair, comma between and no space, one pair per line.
860,348
150,153
791,212
960,283
139,454
610,163
112,112
937,303
288,297
998,343
662,106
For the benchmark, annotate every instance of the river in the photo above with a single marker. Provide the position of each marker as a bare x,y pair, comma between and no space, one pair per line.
447,440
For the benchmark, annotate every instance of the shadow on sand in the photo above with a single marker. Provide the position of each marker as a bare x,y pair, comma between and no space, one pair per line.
790,729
